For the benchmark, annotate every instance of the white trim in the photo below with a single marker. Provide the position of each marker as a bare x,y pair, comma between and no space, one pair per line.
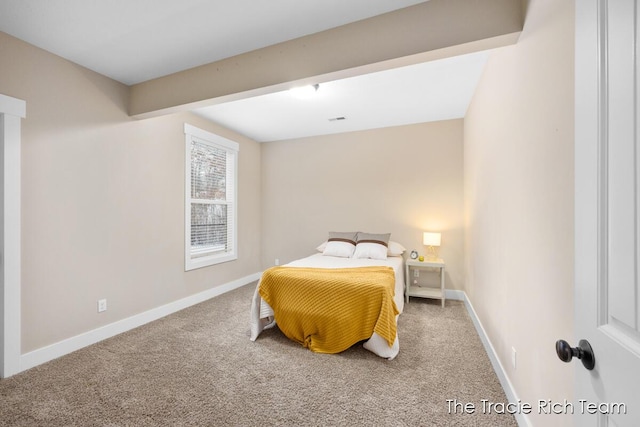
454,294
53,351
194,134
13,106
512,397
212,137
12,111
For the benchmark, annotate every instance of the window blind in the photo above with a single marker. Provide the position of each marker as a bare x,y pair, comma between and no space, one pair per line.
211,205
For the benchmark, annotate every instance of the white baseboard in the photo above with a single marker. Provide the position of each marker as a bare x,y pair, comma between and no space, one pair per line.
522,419
69,345
454,294
53,351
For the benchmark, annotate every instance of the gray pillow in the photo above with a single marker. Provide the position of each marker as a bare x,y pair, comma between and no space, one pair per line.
349,237
373,246
381,239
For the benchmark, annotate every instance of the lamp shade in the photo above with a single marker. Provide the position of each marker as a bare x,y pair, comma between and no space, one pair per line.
431,239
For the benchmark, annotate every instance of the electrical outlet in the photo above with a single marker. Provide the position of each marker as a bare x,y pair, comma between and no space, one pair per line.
513,357
102,305
416,273
277,261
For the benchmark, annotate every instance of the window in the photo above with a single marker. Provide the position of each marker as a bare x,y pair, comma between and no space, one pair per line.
211,198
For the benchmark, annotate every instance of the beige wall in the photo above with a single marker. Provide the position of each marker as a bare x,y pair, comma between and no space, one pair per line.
103,200
518,169
403,180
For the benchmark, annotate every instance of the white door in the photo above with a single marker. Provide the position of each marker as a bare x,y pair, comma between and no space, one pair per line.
607,212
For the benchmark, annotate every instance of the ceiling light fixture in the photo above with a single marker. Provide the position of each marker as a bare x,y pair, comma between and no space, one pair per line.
304,92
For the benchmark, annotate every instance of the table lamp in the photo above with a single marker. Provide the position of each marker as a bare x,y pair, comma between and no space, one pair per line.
431,241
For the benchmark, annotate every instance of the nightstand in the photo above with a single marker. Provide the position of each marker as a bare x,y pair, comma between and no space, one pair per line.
422,292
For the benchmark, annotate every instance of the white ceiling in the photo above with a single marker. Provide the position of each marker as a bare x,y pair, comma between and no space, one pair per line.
437,90
136,40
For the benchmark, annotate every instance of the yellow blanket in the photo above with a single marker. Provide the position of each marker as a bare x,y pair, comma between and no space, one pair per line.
329,310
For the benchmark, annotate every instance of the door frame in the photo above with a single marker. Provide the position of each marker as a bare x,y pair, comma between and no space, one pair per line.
12,111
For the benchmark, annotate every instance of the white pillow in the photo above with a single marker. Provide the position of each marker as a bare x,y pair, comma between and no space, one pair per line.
372,246
340,244
395,249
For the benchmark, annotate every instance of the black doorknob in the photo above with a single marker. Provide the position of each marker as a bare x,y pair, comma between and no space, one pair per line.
583,352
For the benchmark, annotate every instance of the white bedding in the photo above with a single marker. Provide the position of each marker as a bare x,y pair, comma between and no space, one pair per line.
262,314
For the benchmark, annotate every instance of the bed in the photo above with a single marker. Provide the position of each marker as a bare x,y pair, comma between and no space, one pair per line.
357,299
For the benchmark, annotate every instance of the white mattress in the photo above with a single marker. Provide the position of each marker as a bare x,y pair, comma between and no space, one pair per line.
262,313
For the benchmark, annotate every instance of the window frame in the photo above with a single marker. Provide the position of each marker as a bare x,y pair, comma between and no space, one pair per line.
194,134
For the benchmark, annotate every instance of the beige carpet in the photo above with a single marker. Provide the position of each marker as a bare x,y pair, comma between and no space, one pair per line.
198,368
